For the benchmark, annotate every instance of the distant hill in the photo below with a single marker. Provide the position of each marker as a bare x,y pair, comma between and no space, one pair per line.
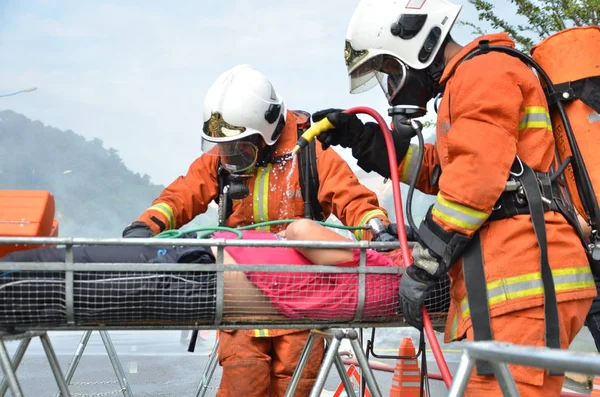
96,194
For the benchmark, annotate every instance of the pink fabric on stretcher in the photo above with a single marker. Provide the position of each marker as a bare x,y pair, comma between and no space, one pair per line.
316,295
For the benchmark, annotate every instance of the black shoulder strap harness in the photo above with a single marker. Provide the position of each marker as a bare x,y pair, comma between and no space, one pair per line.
309,177
530,192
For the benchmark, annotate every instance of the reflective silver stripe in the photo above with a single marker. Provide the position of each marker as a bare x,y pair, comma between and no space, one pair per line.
406,384
531,284
536,117
411,384
411,373
594,117
407,362
411,162
458,214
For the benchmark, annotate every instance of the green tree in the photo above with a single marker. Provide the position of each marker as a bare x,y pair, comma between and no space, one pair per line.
543,17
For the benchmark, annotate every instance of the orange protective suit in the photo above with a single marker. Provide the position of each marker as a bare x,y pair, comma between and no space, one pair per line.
493,109
274,194
250,368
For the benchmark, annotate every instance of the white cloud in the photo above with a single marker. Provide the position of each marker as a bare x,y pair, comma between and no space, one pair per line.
135,75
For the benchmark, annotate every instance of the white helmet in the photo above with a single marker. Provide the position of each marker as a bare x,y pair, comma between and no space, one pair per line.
387,37
240,103
241,107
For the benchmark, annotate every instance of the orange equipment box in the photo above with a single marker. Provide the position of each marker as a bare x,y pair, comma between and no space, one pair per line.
26,213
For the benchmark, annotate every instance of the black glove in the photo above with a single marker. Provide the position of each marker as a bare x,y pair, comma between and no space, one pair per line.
392,229
347,132
366,140
417,282
429,265
137,230
415,286
390,233
386,236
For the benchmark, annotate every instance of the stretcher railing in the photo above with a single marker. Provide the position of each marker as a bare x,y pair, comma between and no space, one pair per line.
45,296
119,296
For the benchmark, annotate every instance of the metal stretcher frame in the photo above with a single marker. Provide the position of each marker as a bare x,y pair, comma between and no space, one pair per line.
69,267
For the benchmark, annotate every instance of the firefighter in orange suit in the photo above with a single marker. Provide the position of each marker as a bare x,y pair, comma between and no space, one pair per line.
519,272
248,131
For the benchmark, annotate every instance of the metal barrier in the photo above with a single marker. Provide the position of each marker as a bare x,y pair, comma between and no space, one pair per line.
498,354
9,367
334,338
122,380
209,370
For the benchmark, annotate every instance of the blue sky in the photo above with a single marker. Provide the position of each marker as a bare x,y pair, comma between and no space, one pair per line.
134,73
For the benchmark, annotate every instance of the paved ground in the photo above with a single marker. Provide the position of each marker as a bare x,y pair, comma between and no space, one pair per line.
157,363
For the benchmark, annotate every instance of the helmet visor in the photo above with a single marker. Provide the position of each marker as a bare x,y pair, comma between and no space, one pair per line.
236,156
386,70
216,127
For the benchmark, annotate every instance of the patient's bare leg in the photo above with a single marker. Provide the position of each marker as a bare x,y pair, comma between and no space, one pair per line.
240,296
305,229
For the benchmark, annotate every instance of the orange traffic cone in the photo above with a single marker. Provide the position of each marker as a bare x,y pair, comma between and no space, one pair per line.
407,375
354,377
596,387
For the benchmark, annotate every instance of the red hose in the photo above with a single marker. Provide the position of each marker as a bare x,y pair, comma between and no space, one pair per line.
428,327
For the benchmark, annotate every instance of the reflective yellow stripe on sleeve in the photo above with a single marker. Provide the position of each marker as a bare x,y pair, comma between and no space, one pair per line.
260,199
536,117
528,285
167,211
457,214
359,233
454,327
410,165
261,333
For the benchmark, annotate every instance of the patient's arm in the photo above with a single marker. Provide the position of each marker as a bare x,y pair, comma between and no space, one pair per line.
305,229
240,296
